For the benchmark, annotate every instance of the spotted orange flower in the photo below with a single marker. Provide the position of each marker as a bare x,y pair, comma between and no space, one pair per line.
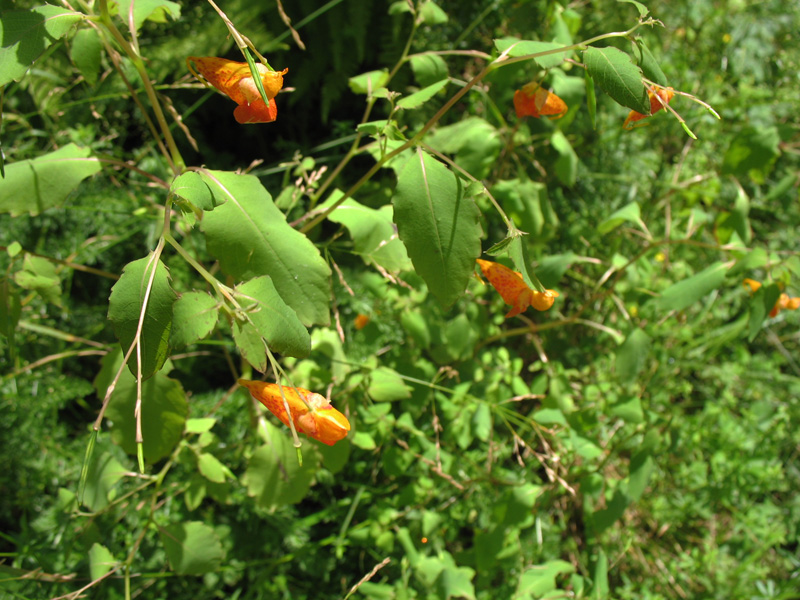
513,289
784,301
315,417
535,101
235,80
665,94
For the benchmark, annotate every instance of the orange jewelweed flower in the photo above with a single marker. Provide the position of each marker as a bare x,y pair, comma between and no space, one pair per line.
361,321
665,94
235,80
534,101
514,290
784,301
315,417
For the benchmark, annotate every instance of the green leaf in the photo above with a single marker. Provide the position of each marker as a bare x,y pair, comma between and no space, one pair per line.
642,466
760,306
525,47
618,77
386,385
373,233
194,316
164,410
629,410
153,10
632,355
104,473
86,50
439,225
26,34
541,579
429,68
474,141
270,319
690,291
191,187
200,425
101,561
432,14
210,467
33,186
39,275
524,202
567,163
368,82
251,237
419,98
274,477
125,307
455,582
643,10
192,548
630,212
600,590
752,152
648,63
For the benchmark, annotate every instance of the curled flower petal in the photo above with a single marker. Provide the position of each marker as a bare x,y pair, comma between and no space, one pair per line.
315,417
654,94
535,101
235,80
513,290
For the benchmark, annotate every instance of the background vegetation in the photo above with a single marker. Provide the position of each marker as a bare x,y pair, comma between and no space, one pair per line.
638,440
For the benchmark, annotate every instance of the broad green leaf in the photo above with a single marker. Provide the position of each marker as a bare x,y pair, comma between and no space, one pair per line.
33,186
602,519
274,477
648,63
632,355
567,163
191,187
125,307
474,141
196,492
525,47
752,152
164,410
618,77
629,410
86,50
416,327
643,10
429,68
541,579
104,473
200,425
419,98
642,466
630,212
210,468
386,385
552,268
439,225
101,561
39,275
192,547
251,237
26,34
690,291
368,82
270,319
517,251
455,582
432,14
194,316
373,233
153,10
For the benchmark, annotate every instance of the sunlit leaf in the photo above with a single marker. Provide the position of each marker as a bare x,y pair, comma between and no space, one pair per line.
618,77
192,547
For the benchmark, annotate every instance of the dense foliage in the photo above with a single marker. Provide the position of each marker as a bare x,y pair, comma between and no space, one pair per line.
636,440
